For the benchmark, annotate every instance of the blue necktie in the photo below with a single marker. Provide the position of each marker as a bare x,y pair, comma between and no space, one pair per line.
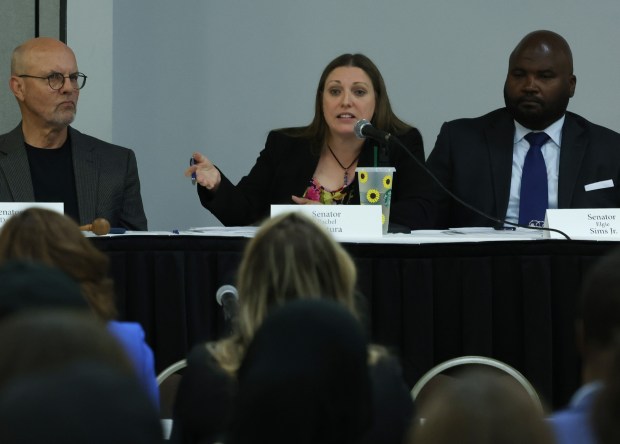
534,197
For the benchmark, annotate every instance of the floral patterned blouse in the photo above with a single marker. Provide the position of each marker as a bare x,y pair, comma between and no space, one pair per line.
318,193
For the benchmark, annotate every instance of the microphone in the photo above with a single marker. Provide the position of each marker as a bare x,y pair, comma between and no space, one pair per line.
363,129
228,297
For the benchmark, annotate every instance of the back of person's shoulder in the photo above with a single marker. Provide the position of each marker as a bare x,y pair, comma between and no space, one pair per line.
130,334
81,139
593,128
407,132
288,134
571,426
3,136
124,327
288,141
485,120
12,137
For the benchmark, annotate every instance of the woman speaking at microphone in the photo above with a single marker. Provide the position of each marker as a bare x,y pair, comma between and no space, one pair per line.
315,164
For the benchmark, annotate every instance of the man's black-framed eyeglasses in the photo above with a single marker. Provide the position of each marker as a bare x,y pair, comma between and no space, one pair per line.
56,80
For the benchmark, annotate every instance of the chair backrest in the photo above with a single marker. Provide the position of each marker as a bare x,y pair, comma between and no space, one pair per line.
168,382
170,370
476,360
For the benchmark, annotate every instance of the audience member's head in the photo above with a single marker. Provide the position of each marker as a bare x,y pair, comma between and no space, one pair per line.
392,406
304,378
606,408
600,316
481,407
203,406
31,285
291,257
82,402
54,239
33,341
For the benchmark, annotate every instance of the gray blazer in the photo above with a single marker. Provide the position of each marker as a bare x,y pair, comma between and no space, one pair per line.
473,159
106,179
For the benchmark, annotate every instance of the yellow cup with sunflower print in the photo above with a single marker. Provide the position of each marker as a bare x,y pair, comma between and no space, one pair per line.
375,188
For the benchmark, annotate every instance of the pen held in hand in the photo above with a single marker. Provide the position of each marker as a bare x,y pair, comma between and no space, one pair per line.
191,163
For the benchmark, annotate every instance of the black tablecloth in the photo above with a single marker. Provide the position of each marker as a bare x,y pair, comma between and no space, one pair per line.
513,301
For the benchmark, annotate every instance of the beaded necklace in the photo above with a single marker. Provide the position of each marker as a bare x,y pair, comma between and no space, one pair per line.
346,169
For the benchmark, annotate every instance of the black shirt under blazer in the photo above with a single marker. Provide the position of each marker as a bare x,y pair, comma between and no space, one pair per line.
285,167
473,159
106,178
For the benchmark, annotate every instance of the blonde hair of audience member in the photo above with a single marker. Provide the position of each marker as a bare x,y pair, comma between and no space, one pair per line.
54,239
481,407
291,257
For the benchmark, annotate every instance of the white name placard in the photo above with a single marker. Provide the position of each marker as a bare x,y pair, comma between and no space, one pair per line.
343,221
591,223
8,209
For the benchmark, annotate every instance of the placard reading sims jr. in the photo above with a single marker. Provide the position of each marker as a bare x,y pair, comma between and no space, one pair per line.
343,221
584,223
8,209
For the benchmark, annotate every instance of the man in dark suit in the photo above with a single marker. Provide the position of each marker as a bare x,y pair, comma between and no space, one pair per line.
45,160
482,160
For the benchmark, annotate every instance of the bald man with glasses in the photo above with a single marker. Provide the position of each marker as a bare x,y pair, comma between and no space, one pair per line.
44,159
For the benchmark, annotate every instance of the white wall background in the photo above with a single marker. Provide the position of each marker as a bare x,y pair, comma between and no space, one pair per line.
167,78
17,24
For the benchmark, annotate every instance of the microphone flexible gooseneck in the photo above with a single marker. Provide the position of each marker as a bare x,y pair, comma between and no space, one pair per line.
364,129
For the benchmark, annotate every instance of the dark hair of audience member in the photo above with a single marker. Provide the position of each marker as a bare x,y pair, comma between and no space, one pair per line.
392,406
37,340
601,343
606,409
600,310
54,239
32,285
304,378
481,407
81,402
291,257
